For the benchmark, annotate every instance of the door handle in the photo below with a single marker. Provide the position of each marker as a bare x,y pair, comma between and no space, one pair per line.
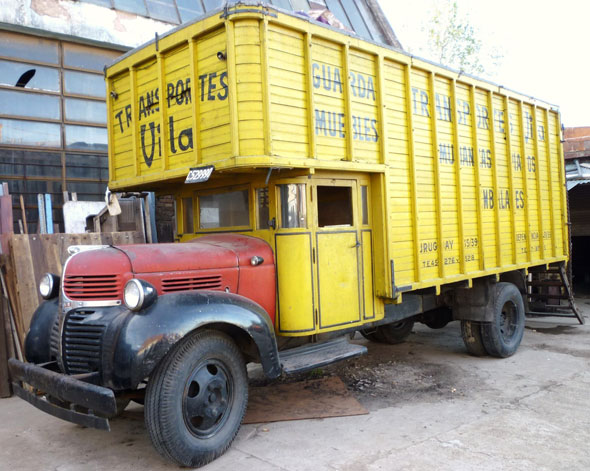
357,245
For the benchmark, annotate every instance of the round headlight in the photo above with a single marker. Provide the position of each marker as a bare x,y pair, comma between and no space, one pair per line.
138,294
48,286
133,295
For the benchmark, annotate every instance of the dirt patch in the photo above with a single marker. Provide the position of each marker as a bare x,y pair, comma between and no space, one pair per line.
388,376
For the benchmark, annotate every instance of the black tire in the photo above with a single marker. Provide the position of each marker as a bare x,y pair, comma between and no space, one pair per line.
471,333
396,332
196,399
372,335
503,335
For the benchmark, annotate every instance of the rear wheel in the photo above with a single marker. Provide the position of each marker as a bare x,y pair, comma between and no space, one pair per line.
196,399
471,333
503,335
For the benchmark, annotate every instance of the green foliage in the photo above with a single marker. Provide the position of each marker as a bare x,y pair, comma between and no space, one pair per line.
453,41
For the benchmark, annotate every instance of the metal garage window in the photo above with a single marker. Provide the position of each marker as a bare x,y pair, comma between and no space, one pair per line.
189,9
89,58
82,83
164,10
44,78
86,138
133,6
32,105
29,133
28,48
86,111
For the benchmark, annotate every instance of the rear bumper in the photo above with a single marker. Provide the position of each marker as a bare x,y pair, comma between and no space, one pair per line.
63,396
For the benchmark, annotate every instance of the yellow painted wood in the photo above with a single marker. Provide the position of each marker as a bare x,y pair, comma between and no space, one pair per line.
478,163
437,185
339,290
553,223
413,178
525,179
510,177
275,91
295,292
367,286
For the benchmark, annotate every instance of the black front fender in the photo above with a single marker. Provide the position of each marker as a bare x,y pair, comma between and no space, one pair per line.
38,340
149,334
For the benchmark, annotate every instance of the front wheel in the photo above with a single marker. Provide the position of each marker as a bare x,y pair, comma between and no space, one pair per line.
503,335
196,399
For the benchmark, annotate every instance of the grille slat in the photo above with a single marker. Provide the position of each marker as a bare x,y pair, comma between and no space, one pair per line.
191,283
99,287
82,343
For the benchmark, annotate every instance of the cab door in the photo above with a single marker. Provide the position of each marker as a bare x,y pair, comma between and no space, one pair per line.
294,258
338,243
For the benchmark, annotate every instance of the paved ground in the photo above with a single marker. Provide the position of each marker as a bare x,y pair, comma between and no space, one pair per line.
432,407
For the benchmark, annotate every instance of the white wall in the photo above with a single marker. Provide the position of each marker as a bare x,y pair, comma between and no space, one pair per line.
82,19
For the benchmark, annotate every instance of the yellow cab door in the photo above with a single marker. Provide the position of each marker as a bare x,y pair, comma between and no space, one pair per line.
324,255
293,253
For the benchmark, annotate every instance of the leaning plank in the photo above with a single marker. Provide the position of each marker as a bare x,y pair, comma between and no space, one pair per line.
5,390
26,282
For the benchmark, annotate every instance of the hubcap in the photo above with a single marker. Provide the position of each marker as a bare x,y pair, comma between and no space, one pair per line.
508,321
207,398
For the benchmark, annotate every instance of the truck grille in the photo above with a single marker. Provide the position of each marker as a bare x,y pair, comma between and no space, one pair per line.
183,284
81,343
54,339
93,287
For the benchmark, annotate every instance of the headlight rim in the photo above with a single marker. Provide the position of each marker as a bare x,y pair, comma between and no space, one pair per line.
53,283
147,294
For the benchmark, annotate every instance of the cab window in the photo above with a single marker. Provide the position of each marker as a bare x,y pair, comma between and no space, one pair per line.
293,207
229,209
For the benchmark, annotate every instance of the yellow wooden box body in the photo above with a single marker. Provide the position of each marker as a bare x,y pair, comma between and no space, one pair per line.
466,178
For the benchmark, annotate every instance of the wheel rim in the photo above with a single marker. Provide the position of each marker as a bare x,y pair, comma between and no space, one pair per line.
508,321
207,398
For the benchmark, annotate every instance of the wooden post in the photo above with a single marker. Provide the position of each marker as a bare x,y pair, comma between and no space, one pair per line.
5,390
22,208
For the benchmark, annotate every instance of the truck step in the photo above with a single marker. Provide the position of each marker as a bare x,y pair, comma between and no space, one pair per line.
309,357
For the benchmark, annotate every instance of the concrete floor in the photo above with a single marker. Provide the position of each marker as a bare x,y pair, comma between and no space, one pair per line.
445,411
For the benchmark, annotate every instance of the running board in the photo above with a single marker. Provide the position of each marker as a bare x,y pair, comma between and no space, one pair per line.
315,355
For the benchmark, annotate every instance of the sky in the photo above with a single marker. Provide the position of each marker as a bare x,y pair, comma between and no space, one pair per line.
545,45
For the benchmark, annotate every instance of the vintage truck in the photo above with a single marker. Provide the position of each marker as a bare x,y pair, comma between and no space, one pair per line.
323,185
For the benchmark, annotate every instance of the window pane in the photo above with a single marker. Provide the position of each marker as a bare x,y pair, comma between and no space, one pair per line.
87,57
86,110
334,206
81,83
86,138
262,205
28,47
187,215
45,78
300,5
163,10
29,133
212,4
29,104
282,4
370,21
355,18
365,204
134,6
102,3
87,166
189,9
335,7
293,207
224,210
